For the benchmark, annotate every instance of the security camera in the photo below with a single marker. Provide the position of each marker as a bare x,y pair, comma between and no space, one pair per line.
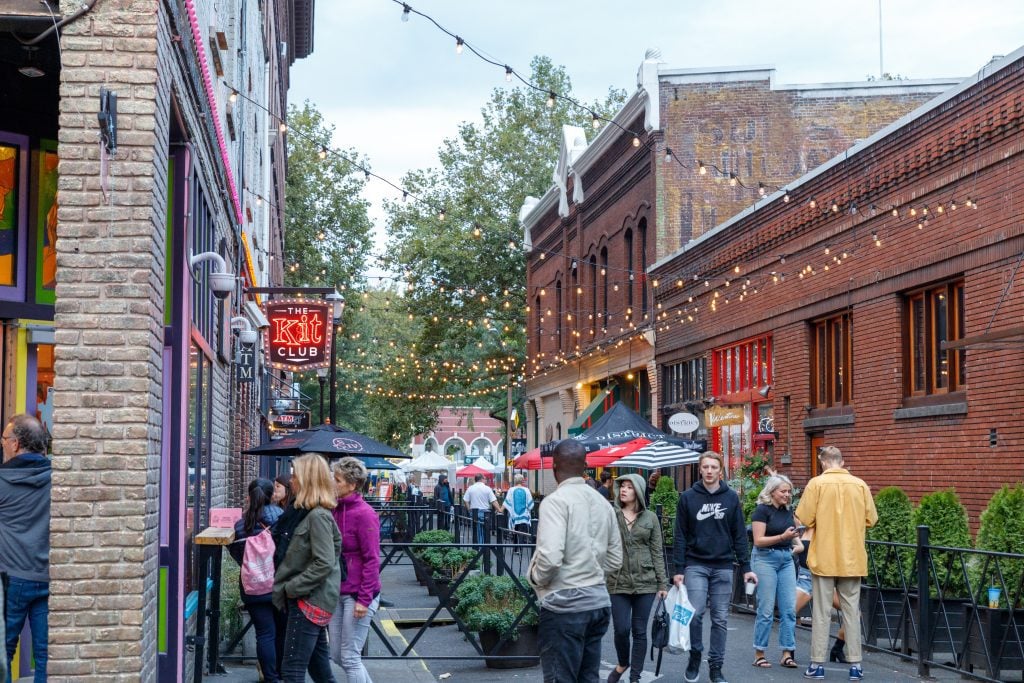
247,336
222,282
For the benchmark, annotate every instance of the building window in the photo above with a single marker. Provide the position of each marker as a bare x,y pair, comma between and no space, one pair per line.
628,246
832,362
200,418
593,294
745,366
537,331
933,316
558,307
642,236
604,287
684,381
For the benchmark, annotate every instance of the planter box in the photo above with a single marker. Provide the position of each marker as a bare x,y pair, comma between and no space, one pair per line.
527,645
947,627
884,616
997,633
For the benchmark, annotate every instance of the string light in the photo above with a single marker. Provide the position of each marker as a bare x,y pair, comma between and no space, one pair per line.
508,74
458,45
233,97
405,12
636,141
701,168
551,99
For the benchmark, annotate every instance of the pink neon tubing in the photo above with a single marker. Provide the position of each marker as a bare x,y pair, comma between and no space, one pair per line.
204,64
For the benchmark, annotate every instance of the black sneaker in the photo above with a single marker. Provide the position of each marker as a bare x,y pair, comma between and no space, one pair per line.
716,674
692,674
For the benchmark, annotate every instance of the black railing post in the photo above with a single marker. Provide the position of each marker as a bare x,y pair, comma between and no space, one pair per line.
924,602
488,526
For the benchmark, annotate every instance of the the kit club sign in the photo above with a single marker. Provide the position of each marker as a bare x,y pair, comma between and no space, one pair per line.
300,334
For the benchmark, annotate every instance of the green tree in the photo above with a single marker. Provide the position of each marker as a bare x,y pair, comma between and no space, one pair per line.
460,243
327,229
946,518
889,566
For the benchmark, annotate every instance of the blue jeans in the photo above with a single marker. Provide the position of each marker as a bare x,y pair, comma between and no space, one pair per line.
570,644
776,584
262,616
28,599
479,526
305,648
348,635
709,587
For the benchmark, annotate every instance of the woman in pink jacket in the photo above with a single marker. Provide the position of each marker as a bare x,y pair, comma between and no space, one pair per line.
360,551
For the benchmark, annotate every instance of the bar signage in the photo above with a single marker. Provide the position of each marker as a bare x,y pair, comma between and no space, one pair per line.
300,334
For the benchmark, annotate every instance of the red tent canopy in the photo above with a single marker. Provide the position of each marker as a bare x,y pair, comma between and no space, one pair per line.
531,460
472,471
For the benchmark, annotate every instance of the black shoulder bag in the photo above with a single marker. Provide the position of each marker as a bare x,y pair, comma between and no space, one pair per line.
659,633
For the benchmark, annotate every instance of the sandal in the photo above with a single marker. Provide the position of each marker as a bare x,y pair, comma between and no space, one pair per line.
762,663
789,662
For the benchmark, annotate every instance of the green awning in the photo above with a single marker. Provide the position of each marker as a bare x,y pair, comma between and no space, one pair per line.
590,413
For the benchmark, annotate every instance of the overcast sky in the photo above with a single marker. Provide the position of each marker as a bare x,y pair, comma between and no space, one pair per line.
395,90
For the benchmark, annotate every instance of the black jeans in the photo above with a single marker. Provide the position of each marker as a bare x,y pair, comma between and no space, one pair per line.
262,615
570,644
629,616
305,648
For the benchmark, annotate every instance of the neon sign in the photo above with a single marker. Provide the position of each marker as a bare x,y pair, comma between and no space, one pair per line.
300,334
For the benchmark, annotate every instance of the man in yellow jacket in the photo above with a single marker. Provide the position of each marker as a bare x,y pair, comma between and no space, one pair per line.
839,508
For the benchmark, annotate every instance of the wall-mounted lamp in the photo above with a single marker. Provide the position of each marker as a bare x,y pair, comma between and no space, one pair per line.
765,390
338,302
221,281
248,336
107,117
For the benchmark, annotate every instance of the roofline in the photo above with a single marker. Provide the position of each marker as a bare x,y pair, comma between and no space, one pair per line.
858,148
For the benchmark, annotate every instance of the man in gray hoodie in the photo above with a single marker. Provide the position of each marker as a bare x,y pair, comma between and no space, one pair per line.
25,535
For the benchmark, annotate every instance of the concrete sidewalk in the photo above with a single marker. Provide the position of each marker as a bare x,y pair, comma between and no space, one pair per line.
412,605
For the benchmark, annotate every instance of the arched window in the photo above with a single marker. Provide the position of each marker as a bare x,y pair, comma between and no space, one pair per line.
558,431
593,292
558,309
629,271
641,234
604,286
574,299
537,332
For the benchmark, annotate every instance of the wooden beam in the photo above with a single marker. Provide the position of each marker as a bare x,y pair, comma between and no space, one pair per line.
981,338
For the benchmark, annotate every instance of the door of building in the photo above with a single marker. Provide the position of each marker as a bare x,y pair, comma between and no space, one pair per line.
817,442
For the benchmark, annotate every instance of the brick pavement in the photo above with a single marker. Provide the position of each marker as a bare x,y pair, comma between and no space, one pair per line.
411,600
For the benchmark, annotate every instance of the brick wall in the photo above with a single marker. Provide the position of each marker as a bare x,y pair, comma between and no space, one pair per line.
110,265
969,146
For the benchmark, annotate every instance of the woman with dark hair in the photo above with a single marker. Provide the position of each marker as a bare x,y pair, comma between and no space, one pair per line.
259,515
307,580
283,495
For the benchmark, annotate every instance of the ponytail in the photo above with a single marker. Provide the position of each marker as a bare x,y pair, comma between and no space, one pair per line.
260,493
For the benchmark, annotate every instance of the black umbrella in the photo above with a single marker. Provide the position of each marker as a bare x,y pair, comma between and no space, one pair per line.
328,439
621,424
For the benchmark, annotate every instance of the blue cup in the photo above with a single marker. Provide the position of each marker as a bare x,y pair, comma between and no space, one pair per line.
993,596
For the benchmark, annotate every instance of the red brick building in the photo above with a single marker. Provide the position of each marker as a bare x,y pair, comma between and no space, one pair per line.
634,194
874,304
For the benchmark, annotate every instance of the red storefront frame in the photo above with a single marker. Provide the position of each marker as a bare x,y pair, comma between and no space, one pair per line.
738,371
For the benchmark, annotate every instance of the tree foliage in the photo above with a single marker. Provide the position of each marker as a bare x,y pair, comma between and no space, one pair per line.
467,268
892,567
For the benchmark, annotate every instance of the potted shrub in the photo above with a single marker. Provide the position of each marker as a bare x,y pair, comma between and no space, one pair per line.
947,522
489,605
445,565
419,566
992,643
890,569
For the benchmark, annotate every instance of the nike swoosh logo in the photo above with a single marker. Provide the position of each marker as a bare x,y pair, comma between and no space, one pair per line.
701,516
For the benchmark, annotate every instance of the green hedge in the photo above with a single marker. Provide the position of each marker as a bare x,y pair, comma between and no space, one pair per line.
492,602
946,519
892,567
1002,530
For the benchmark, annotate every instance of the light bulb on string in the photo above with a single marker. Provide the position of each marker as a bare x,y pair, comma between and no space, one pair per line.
458,45
760,188
283,127
233,97
595,121
813,203
733,179
636,141
508,74
668,155
323,153
785,196
551,99
701,168
405,12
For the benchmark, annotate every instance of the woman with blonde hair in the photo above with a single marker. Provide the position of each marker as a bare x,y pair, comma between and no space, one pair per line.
306,583
772,560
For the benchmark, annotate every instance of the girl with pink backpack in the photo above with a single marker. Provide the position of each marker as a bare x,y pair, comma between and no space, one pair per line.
253,549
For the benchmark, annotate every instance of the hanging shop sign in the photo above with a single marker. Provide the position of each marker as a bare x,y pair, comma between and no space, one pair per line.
290,419
683,423
718,416
300,334
245,364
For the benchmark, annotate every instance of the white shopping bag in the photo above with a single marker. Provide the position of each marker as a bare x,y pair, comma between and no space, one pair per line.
680,613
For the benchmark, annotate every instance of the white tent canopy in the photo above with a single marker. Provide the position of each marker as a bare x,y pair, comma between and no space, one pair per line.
428,462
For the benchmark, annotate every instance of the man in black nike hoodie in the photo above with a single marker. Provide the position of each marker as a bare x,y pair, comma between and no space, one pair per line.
710,535
25,535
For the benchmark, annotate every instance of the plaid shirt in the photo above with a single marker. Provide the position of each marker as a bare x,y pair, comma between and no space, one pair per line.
314,614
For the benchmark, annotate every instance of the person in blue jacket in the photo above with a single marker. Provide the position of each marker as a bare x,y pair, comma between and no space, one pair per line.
710,536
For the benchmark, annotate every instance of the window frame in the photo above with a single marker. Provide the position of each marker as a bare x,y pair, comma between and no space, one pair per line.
922,340
16,291
827,391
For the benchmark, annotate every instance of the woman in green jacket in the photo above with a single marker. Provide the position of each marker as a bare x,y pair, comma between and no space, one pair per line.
633,586
306,583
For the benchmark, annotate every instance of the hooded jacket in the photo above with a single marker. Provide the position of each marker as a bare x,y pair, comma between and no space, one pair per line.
25,517
643,558
360,544
710,529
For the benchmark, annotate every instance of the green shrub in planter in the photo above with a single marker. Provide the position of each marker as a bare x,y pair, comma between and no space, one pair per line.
448,563
437,536
1002,530
946,519
895,525
667,497
487,602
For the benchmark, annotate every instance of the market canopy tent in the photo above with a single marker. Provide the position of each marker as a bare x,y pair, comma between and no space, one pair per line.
658,454
473,470
373,463
331,440
621,424
532,460
428,462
